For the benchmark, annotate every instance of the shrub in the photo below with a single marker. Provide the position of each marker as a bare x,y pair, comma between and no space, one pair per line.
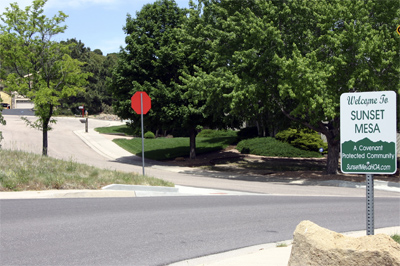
149,135
271,147
287,135
107,109
63,112
247,133
305,139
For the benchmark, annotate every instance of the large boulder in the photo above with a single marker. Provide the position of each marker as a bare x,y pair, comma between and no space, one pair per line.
314,245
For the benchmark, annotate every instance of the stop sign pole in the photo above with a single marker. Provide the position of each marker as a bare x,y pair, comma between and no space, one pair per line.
141,104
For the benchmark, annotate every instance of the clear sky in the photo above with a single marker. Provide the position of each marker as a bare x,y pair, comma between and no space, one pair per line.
97,23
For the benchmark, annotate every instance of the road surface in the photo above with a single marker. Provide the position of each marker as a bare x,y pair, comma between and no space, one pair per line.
163,230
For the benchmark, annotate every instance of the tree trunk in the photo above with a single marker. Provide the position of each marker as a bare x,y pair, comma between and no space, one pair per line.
333,156
45,142
193,143
45,128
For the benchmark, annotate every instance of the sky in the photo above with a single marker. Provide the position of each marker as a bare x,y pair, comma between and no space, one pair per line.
97,23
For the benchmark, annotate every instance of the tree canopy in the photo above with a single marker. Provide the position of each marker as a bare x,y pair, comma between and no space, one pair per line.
154,60
96,98
298,56
42,69
223,62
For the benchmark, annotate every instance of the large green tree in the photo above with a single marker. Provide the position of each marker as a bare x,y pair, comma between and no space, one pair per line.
149,63
42,68
154,60
333,47
300,56
236,48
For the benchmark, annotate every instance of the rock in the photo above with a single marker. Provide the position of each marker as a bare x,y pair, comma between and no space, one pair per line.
314,245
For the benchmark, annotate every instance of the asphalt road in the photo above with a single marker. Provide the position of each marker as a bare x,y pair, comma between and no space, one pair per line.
19,112
162,230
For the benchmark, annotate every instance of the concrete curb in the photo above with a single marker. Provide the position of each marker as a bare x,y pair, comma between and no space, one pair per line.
140,188
378,184
120,190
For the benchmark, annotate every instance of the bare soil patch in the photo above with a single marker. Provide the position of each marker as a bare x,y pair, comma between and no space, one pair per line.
230,160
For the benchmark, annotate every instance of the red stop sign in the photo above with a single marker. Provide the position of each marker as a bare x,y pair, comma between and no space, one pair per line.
135,102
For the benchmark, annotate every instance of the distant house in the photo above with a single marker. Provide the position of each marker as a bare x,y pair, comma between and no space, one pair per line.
5,97
14,99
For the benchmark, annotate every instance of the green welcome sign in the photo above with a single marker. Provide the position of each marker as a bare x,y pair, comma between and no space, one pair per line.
368,132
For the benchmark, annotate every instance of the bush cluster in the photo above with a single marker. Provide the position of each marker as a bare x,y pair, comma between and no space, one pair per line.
149,135
305,139
271,147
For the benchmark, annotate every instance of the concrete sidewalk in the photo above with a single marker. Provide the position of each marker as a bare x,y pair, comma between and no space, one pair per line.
267,254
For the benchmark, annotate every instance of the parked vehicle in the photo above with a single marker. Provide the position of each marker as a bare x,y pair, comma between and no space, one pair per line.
5,105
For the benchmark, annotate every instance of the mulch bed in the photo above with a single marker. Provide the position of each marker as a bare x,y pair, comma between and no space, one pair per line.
230,160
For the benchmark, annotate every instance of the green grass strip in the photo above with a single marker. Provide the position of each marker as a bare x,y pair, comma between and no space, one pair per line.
123,129
21,171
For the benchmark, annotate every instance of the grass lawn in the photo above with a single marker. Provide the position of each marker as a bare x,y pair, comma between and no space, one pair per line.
396,238
207,140
21,171
122,129
169,148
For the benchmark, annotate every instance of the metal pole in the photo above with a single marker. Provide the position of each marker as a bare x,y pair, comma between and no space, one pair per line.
141,112
86,124
370,204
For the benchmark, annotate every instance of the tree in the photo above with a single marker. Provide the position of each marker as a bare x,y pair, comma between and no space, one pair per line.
155,60
42,69
149,63
335,47
236,48
301,56
96,96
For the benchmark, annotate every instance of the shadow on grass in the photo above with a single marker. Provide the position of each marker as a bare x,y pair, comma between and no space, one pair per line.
172,153
221,140
168,149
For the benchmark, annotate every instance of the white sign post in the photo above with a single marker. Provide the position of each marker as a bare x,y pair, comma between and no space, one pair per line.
368,138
